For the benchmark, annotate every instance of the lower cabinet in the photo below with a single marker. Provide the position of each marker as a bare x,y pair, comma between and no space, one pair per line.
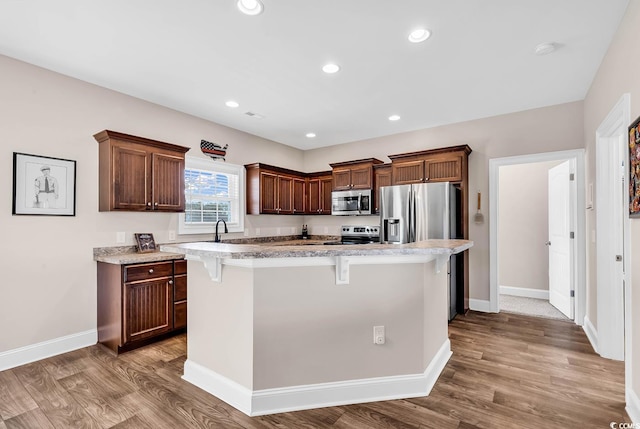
140,303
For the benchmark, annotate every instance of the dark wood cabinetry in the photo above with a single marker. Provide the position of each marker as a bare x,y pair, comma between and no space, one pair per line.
354,174
139,174
381,177
319,189
274,190
140,303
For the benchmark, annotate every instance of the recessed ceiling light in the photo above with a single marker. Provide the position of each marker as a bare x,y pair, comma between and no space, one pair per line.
250,7
419,35
545,48
394,118
232,104
310,135
330,68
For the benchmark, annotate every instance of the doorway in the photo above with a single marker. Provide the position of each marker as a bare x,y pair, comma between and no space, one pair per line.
576,157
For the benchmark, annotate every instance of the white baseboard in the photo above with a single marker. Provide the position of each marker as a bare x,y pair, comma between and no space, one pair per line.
31,353
271,401
525,292
591,332
633,406
480,305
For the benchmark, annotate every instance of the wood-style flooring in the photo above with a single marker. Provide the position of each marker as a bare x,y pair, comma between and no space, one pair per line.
507,371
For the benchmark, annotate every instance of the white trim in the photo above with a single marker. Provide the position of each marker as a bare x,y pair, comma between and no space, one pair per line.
580,241
34,352
271,401
633,406
592,333
481,305
525,292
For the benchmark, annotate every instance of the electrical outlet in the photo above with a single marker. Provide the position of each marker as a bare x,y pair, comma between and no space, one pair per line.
246,232
293,230
172,235
378,335
326,230
257,231
120,237
277,231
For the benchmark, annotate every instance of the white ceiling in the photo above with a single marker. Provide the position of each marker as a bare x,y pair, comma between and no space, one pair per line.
193,55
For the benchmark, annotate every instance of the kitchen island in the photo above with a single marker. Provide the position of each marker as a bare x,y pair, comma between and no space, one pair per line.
288,326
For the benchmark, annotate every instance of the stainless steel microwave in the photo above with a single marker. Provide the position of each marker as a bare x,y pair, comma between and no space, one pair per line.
351,203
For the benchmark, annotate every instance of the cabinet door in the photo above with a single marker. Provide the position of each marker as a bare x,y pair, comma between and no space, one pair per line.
313,189
167,182
268,193
285,195
326,186
131,191
382,178
444,169
405,173
148,308
299,196
341,179
361,178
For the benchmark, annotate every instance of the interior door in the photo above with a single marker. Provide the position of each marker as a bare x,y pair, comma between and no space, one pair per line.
559,242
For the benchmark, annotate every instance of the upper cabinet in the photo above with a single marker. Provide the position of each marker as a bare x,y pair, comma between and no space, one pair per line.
381,177
319,190
274,190
139,174
436,165
354,174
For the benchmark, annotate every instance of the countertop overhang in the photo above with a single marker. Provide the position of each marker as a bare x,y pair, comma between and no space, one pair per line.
310,249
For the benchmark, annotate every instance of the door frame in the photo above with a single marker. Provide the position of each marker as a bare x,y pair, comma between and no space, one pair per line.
578,202
611,132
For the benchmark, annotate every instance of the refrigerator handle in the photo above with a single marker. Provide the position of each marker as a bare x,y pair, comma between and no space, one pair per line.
412,217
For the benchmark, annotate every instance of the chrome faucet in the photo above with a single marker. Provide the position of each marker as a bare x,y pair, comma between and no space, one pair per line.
217,237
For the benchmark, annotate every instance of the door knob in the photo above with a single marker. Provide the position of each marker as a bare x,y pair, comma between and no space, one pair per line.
547,243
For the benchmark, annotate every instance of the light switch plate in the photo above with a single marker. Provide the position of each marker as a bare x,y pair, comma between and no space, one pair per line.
120,237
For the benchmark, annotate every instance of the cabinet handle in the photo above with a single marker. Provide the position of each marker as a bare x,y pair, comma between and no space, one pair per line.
170,282
150,270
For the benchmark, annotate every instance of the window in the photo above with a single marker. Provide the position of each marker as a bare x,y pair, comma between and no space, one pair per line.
213,191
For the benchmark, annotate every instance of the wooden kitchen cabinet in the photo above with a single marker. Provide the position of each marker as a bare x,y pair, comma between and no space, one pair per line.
275,190
381,177
353,174
319,189
139,174
140,303
437,165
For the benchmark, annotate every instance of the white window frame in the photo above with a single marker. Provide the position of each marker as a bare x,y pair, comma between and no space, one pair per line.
215,167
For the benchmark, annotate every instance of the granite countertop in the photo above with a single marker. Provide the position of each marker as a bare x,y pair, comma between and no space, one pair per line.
314,248
121,255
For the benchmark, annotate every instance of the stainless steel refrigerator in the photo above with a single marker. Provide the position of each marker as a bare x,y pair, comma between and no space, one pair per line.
423,211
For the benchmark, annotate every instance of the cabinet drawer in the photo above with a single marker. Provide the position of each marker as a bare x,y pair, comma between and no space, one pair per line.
180,315
180,288
180,266
133,273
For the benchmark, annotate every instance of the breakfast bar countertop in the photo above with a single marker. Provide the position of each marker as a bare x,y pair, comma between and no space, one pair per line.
314,248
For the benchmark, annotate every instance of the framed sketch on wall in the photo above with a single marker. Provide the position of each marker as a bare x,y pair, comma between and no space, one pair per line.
43,185
634,169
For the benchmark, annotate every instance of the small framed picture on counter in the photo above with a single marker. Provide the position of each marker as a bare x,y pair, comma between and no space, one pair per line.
145,242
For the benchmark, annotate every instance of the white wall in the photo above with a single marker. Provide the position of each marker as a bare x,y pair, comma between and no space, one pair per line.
523,225
49,275
618,74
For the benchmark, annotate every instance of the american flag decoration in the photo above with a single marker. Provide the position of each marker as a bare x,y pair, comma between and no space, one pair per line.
213,150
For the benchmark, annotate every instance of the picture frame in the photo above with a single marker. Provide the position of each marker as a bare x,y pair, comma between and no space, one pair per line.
634,168
43,185
145,242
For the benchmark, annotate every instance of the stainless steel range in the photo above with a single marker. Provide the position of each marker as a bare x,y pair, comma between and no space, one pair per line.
358,234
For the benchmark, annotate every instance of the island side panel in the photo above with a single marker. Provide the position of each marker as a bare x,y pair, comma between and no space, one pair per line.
309,330
220,322
436,289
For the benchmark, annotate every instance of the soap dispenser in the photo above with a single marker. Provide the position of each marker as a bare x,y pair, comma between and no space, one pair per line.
305,232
